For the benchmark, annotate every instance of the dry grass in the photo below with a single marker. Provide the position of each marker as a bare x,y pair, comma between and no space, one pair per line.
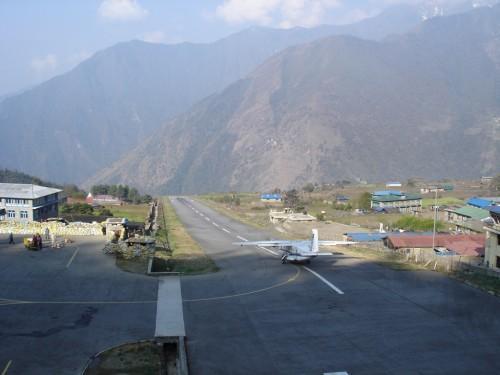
133,212
137,358
251,210
387,259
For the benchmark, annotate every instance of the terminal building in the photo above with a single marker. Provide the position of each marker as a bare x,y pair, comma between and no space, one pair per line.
28,202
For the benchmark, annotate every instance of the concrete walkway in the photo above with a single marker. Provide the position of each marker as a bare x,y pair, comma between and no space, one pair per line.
169,314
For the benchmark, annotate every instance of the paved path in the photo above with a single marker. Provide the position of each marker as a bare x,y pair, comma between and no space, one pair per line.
261,317
169,314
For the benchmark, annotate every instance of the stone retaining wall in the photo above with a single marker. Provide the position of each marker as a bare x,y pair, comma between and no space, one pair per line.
59,229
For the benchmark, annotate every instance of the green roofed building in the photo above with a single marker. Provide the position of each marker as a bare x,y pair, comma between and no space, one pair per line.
468,219
467,213
403,202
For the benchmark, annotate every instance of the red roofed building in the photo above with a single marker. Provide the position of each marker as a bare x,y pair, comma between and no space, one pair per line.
466,245
103,200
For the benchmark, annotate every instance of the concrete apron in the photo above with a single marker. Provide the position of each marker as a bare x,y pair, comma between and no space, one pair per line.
170,331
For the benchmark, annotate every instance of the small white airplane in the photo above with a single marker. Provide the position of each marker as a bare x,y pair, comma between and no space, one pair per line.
297,251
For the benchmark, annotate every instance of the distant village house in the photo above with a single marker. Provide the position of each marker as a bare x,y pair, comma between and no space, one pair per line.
102,200
492,251
273,198
390,199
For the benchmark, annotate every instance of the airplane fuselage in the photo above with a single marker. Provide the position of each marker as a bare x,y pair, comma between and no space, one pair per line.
296,258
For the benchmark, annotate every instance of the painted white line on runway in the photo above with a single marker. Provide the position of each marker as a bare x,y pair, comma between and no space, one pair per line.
72,257
225,230
214,223
336,373
6,367
268,250
207,218
324,280
242,238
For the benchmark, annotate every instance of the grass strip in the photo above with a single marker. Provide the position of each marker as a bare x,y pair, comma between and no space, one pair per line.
133,212
484,282
236,214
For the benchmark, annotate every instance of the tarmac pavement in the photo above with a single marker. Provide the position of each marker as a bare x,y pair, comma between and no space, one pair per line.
58,307
257,316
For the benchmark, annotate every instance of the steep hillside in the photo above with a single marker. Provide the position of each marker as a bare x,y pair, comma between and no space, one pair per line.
425,104
73,125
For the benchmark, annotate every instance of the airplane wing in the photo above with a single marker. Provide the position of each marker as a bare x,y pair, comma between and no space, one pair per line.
334,243
312,253
265,243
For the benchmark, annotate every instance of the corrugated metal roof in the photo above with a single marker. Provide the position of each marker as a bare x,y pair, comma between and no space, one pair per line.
441,240
395,198
472,212
366,237
495,209
386,192
376,236
25,191
466,248
479,202
270,196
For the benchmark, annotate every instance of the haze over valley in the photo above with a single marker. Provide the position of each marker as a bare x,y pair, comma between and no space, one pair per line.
391,96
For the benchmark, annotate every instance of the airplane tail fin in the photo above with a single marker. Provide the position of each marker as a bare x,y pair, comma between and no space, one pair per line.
314,241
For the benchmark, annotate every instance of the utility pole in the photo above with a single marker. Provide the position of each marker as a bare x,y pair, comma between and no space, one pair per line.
435,215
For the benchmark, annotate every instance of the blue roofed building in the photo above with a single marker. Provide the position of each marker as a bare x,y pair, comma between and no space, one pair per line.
271,197
479,202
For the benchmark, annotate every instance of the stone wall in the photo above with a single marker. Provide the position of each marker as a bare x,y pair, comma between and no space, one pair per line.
59,229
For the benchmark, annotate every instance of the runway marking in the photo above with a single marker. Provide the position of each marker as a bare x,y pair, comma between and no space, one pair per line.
7,302
324,280
217,225
290,280
242,238
336,373
6,367
268,250
72,257
207,218
225,230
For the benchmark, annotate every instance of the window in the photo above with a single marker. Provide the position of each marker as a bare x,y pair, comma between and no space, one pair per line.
498,262
11,214
24,214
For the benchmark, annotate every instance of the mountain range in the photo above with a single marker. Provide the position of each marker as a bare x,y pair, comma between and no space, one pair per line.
269,107
73,125
426,103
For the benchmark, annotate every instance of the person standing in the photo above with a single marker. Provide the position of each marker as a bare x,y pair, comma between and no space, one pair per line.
11,238
39,241
46,234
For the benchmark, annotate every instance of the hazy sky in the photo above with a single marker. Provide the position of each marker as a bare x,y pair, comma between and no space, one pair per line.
39,39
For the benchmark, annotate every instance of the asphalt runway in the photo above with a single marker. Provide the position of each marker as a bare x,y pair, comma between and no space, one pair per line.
257,316
58,307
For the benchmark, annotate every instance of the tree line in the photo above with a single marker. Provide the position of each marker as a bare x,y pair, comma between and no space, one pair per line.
124,192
